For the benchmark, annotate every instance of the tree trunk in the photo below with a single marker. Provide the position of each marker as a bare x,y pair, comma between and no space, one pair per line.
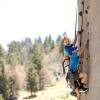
31,91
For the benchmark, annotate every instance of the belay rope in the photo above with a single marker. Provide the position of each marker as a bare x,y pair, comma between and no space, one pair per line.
76,25
82,13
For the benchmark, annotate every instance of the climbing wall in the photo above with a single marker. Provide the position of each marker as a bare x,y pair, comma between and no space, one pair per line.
83,10
91,40
94,19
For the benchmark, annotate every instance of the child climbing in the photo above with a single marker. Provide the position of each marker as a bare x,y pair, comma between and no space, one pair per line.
74,54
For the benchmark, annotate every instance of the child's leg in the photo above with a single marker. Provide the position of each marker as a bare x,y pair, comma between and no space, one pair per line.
78,93
83,77
83,82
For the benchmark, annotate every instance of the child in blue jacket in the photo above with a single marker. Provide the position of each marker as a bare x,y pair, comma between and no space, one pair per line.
74,58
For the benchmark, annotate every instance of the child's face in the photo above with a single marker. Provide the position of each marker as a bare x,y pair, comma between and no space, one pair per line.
66,41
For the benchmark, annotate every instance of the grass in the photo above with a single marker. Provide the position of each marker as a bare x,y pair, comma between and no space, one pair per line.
59,91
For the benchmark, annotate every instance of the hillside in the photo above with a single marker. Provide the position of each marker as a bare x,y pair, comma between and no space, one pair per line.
57,92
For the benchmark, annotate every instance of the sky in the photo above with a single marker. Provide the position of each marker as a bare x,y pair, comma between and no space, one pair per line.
33,18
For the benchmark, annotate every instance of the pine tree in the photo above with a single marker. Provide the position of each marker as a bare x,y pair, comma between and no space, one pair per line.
64,34
32,78
59,39
51,43
61,47
37,56
4,80
14,54
4,86
26,50
48,44
59,42
39,40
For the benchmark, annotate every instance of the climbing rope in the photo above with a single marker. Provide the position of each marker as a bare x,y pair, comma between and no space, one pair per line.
75,39
76,25
81,14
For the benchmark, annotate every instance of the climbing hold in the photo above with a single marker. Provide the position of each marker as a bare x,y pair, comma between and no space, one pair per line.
81,62
82,30
87,24
86,58
80,13
79,32
88,7
88,41
87,44
86,11
82,2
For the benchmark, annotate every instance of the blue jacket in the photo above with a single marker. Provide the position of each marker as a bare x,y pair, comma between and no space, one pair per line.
70,48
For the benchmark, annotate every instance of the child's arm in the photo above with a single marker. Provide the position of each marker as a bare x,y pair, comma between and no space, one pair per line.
81,52
75,40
